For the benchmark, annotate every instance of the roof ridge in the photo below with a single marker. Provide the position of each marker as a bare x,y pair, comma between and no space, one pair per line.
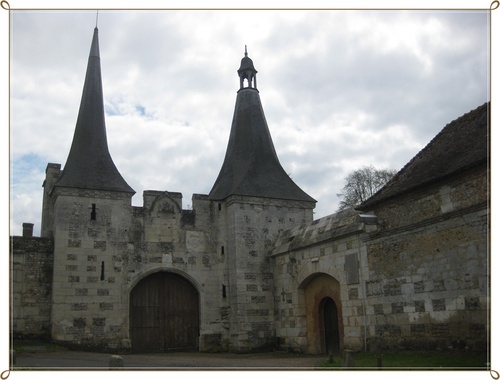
385,192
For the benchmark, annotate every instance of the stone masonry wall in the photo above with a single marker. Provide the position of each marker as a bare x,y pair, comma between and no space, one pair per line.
182,242
427,288
418,280
100,258
467,191
31,286
213,275
328,248
252,226
428,276
90,244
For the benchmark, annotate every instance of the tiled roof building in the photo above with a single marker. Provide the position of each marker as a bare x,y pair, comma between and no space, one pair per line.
461,145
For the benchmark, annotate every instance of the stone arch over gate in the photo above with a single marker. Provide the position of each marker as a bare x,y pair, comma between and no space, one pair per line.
323,305
164,313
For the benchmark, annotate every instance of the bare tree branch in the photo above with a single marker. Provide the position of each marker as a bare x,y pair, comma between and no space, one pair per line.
362,184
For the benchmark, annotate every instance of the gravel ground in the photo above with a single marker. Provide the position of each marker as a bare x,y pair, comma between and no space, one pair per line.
73,360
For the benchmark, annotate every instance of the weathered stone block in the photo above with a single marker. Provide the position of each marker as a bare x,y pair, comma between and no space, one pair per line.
257,312
101,245
81,291
93,232
419,306
74,243
417,329
397,307
353,293
267,276
99,322
387,330
440,329
378,309
250,276
472,303
439,305
79,306
393,288
439,285
374,288
257,299
79,322
103,292
419,287
115,362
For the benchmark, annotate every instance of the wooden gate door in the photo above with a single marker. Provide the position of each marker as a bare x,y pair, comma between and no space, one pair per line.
330,326
164,314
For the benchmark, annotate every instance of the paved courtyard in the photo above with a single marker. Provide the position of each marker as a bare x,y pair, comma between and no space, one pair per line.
67,360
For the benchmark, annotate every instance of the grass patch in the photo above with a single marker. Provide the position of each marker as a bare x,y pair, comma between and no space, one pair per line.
415,360
33,346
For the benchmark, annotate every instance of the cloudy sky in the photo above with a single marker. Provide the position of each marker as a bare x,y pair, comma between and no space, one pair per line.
340,90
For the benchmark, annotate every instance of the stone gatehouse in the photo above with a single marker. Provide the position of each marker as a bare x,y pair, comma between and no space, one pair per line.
247,268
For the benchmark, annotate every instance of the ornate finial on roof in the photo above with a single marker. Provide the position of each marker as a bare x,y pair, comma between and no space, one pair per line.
247,71
96,18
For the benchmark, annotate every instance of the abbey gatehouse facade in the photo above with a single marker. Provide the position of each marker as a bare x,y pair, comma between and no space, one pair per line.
248,268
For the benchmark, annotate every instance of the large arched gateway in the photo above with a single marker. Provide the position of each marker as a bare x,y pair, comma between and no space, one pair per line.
164,314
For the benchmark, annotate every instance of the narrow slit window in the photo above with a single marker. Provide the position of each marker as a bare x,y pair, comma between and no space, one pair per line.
223,291
102,271
93,212
220,206
222,250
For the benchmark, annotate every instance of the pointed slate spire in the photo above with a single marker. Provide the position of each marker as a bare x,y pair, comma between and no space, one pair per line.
251,166
89,164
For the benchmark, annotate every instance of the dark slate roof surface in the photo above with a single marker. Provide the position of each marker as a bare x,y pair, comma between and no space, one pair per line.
89,164
246,63
251,166
462,144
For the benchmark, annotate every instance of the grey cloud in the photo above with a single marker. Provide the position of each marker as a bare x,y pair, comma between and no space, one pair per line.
331,90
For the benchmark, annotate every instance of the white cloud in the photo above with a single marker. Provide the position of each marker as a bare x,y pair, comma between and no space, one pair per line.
340,90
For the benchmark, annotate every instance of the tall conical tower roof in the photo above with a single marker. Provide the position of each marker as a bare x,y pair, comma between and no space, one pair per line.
251,166
89,164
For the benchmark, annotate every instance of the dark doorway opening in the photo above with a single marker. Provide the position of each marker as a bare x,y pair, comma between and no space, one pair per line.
329,326
164,314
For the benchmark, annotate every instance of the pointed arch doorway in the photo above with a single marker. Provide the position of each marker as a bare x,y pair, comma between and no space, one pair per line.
164,314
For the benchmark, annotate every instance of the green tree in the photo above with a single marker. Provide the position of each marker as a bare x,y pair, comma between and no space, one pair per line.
361,184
